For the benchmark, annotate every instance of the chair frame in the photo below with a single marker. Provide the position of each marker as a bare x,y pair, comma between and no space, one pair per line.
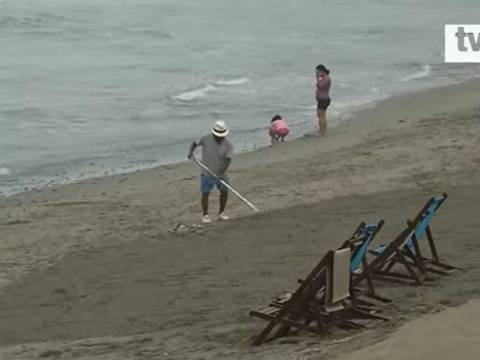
360,243
405,250
305,306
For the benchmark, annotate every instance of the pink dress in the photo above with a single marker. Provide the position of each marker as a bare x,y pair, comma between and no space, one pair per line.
279,128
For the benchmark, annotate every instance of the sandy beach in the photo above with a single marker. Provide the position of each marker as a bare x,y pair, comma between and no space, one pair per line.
92,270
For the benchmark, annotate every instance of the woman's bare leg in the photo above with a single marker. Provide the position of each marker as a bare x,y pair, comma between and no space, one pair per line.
322,122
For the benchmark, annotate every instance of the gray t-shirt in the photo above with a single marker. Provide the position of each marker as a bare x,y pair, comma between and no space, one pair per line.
215,155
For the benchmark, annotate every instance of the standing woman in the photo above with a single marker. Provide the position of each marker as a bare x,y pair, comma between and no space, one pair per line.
323,97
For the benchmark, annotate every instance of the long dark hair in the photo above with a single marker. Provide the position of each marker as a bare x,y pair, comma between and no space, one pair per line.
322,67
275,118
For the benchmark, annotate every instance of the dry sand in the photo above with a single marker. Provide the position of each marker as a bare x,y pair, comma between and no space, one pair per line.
450,334
90,271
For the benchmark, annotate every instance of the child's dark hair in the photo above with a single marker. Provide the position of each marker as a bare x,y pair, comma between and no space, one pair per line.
322,67
275,118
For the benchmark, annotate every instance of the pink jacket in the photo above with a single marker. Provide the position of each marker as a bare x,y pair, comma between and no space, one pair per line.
280,127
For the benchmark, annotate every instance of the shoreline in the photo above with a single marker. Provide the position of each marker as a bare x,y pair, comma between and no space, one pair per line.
84,248
302,171
357,113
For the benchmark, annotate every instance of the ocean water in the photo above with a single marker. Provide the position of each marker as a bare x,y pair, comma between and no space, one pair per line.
93,87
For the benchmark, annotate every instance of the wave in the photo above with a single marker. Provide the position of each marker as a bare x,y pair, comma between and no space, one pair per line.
239,81
149,32
201,92
426,71
36,21
5,171
194,94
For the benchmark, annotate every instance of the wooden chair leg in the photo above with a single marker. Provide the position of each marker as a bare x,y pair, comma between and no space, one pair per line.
431,243
409,268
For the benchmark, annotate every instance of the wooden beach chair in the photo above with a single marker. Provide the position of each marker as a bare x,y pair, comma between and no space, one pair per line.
359,242
424,228
324,298
405,251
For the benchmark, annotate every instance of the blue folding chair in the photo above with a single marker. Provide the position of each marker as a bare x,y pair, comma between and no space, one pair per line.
365,232
359,242
405,250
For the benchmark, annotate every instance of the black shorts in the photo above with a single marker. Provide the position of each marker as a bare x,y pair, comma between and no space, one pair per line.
322,104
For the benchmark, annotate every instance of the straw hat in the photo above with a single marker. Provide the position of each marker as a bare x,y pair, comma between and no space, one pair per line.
219,129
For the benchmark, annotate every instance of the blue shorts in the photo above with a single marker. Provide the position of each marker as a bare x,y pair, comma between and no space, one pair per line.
207,184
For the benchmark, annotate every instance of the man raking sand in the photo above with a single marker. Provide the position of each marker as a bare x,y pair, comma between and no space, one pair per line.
217,154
